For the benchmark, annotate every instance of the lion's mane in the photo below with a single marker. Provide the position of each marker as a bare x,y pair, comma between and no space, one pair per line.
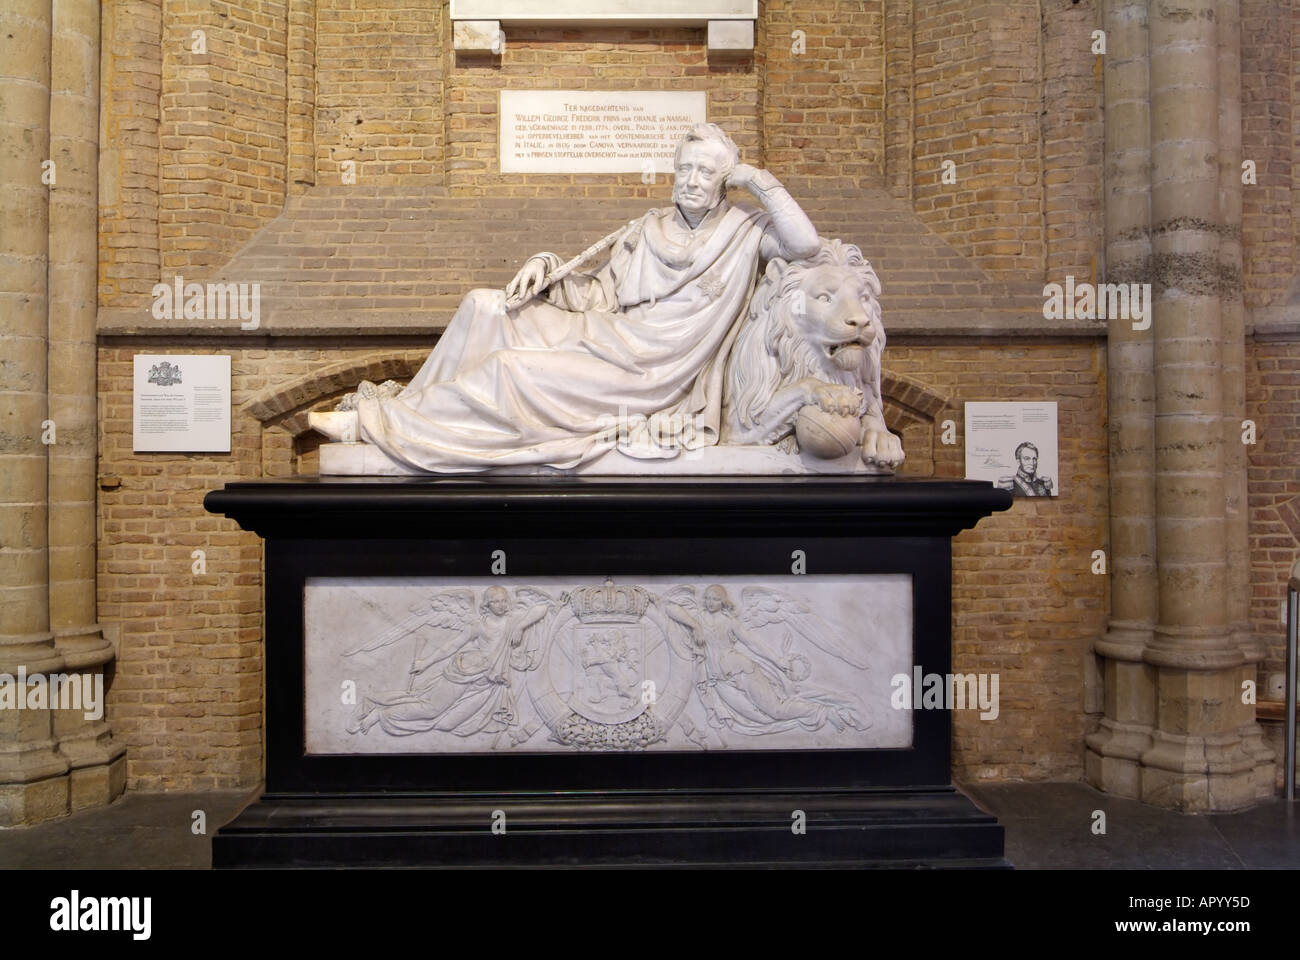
769,354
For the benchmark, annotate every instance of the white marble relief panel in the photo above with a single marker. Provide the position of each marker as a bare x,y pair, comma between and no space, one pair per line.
563,664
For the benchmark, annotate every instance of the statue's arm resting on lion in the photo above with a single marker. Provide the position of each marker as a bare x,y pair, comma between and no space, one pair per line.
792,234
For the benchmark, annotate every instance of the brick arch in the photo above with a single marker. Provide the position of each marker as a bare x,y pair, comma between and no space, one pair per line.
909,401
287,404
911,409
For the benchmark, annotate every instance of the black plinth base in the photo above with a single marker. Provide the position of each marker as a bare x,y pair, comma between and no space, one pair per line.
863,807
911,828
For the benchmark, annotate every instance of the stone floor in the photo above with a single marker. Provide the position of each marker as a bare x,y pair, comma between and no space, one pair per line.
1049,826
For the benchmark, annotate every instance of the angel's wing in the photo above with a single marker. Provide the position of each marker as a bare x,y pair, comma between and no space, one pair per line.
683,596
528,597
447,610
762,607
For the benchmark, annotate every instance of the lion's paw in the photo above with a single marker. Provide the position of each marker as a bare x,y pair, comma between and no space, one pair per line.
882,448
834,398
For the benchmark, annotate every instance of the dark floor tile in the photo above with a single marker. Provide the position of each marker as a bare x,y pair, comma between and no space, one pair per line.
142,830
1267,837
1134,844
1034,800
1050,826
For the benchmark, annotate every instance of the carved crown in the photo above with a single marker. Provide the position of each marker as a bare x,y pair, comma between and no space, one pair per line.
610,603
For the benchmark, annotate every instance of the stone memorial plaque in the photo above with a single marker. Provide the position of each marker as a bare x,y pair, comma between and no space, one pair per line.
182,403
564,664
591,131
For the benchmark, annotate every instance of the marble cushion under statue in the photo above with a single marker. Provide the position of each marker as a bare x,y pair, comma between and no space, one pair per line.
707,337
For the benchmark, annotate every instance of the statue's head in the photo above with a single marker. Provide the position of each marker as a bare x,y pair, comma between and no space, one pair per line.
701,165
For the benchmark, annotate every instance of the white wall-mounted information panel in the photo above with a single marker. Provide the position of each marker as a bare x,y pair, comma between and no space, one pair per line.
182,403
1014,446
593,131
604,10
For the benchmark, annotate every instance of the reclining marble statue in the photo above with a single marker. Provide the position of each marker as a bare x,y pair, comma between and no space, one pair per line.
703,337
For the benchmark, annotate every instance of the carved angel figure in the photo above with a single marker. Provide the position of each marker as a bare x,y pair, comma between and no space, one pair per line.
743,685
475,651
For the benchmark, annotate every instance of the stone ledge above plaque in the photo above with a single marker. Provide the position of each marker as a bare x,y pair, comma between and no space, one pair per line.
478,24
605,12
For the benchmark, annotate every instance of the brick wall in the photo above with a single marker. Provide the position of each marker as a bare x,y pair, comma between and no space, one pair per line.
977,103
186,689
300,80
883,93
1268,220
899,96
1295,117
376,82
1072,140
186,692
379,89
390,88
130,70
222,130
1026,604
824,89
1273,402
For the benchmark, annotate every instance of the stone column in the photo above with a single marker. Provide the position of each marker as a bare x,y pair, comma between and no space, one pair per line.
1112,759
98,767
33,776
1236,507
1197,761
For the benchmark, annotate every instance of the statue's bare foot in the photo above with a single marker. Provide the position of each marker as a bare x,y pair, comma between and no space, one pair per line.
339,426
384,391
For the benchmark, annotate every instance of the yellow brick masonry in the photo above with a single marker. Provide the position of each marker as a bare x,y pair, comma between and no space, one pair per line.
199,153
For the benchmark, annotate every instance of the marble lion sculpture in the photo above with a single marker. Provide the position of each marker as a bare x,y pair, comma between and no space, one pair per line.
805,370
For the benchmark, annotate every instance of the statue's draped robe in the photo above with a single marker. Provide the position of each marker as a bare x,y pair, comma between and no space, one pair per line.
646,335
